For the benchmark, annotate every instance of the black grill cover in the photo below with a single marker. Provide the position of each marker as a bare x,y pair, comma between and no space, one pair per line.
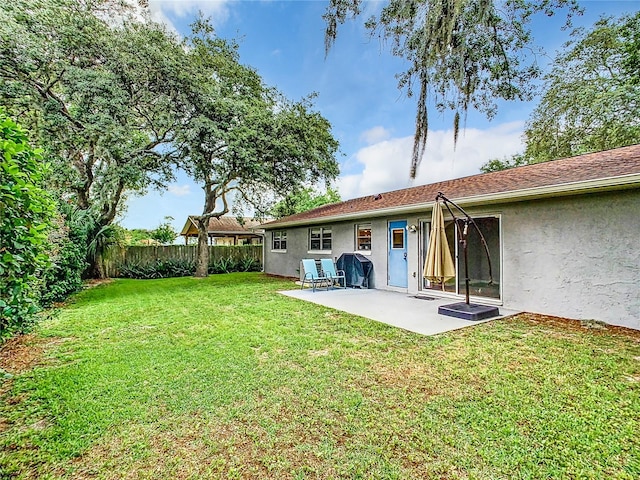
356,269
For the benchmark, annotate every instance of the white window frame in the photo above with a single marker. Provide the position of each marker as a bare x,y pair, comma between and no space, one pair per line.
404,238
358,228
323,238
278,236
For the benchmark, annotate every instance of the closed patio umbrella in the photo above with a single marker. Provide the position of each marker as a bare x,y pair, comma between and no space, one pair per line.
438,266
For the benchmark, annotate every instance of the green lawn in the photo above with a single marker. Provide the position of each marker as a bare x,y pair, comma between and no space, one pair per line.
225,378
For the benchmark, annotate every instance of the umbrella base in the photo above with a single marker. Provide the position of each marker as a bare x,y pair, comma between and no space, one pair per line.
469,312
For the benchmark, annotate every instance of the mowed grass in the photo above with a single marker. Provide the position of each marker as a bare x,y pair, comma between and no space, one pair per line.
225,378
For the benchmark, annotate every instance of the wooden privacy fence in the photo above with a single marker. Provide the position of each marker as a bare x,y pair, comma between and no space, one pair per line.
150,255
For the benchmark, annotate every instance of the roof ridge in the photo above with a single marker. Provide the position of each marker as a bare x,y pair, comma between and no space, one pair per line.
512,169
615,162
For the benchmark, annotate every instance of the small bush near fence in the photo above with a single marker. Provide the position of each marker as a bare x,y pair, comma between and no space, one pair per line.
158,269
229,264
180,261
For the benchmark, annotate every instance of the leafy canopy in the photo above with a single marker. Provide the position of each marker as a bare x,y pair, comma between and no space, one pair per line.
103,97
118,103
165,234
245,143
104,94
303,200
591,95
460,53
591,99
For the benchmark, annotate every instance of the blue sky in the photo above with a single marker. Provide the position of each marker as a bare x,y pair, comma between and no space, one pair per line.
357,93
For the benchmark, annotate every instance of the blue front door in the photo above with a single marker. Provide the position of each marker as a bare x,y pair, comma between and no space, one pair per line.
397,263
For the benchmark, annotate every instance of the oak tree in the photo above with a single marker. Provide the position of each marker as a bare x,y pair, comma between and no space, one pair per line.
245,143
100,90
591,96
460,54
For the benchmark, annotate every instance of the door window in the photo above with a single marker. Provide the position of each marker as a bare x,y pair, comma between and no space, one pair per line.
397,238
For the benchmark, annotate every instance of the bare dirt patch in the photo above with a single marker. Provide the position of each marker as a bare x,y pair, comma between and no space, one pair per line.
594,327
21,353
24,352
96,282
18,354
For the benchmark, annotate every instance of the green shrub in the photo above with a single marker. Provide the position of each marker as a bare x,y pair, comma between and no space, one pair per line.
25,210
184,268
159,269
68,260
223,265
229,264
249,264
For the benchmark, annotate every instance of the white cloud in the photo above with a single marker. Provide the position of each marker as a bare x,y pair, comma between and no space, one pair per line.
385,165
375,135
216,9
179,190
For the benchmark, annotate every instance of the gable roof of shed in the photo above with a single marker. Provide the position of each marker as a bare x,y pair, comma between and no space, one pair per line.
610,169
223,224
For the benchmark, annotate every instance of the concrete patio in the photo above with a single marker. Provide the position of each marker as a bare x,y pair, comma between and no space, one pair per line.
400,310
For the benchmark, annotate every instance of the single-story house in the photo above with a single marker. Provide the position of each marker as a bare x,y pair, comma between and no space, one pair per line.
564,237
226,230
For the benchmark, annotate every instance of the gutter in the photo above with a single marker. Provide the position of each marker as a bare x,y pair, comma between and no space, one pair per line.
606,184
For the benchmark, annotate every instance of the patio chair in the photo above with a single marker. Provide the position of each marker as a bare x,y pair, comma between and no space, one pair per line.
330,272
311,274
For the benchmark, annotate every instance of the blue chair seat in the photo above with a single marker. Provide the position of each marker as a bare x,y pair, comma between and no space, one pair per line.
329,271
311,275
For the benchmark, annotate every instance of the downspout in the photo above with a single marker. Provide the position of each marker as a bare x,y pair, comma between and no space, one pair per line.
264,251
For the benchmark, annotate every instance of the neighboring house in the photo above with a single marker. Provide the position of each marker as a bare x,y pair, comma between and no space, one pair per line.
564,237
226,230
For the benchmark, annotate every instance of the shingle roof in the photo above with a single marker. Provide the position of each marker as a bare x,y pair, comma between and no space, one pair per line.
231,224
225,224
609,164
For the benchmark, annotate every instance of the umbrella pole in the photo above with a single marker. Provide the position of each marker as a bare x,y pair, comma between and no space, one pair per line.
467,220
467,310
463,241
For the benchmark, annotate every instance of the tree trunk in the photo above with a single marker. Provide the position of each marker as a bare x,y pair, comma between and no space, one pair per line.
98,267
202,257
95,267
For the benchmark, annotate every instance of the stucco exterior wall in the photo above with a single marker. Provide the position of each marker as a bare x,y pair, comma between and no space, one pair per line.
577,257
343,240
